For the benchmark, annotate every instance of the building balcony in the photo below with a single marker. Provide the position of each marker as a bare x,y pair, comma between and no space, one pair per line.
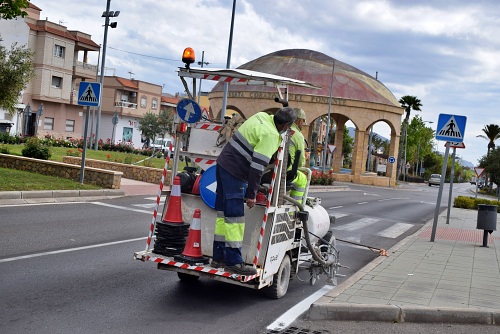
84,70
125,104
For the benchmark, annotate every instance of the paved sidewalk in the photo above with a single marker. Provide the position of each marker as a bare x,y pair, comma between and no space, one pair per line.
453,279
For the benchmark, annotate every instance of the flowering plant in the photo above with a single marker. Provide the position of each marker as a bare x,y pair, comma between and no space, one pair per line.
320,178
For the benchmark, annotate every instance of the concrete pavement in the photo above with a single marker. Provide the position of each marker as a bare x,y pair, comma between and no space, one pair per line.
451,280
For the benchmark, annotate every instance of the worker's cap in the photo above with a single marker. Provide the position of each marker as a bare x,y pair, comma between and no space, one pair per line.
300,114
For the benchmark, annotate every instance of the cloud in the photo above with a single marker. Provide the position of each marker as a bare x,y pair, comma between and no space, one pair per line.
445,52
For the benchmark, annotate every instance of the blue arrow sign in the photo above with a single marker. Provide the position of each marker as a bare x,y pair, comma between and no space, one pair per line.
89,94
391,160
188,110
451,128
208,187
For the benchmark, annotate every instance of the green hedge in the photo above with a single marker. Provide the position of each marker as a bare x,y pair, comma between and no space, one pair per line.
465,202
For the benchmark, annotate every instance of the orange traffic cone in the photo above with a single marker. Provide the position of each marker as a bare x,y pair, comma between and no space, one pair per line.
192,251
174,212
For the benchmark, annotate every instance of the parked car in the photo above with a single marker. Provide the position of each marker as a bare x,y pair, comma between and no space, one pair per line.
435,179
163,144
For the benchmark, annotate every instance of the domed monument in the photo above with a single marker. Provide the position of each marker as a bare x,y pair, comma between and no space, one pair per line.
356,96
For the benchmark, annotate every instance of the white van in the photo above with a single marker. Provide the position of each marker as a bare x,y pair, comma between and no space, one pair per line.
163,145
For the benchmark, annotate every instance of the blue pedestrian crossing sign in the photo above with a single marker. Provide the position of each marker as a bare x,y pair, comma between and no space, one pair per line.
451,128
188,110
89,94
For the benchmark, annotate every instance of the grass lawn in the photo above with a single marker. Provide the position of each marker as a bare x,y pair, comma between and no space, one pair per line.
19,180
57,154
16,180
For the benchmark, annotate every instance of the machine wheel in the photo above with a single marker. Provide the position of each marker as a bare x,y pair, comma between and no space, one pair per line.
281,280
187,278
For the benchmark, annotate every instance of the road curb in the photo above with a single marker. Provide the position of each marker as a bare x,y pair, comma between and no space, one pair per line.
396,313
53,196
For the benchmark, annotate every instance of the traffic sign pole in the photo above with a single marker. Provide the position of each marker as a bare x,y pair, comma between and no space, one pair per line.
89,94
440,193
452,176
84,153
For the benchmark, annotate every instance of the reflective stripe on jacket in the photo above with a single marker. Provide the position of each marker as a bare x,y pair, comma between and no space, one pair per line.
297,143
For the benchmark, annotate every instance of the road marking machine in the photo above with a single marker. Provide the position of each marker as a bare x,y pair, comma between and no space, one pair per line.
281,236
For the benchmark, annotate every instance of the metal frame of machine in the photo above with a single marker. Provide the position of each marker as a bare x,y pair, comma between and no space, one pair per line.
277,234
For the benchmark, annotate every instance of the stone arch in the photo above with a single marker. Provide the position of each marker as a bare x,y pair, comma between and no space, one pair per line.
357,97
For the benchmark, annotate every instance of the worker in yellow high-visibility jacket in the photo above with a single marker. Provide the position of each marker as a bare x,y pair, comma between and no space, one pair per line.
297,144
241,163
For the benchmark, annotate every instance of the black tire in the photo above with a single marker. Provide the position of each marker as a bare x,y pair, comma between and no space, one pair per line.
281,280
429,184
187,278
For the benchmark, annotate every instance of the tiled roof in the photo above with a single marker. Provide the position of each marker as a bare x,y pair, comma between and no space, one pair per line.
127,83
58,32
35,7
167,99
63,33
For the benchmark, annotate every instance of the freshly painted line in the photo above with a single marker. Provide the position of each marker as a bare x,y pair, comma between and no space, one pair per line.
340,215
292,314
149,205
362,202
335,207
395,230
162,198
120,207
356,225
69,250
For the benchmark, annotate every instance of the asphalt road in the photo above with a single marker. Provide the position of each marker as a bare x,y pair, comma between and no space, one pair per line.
68,268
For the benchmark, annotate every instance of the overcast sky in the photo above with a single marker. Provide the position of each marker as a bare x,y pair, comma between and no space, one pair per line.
445,52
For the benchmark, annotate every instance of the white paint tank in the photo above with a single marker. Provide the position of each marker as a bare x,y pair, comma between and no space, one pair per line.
318,223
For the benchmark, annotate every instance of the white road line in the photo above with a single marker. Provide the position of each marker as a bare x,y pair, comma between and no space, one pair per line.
362,202
392,199
69,250
162,198
395,230
335,207
121,207
150,205
356,225
340,215
292,314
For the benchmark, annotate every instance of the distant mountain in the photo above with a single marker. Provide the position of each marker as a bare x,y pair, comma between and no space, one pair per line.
352,130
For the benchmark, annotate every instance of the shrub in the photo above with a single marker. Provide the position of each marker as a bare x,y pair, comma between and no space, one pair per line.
34,149
470,203
4,150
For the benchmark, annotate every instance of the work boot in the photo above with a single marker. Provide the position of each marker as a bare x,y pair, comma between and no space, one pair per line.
241,269
217,264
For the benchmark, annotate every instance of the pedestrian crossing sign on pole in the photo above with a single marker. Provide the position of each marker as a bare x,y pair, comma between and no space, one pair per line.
451,128
89,94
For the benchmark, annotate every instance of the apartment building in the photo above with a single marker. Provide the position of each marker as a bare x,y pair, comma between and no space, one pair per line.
49,102
123,104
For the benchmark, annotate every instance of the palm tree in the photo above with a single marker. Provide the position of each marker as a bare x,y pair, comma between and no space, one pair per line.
492,133
408,102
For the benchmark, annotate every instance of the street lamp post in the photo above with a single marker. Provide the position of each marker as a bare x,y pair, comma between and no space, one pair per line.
202,62
107,14
228,64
